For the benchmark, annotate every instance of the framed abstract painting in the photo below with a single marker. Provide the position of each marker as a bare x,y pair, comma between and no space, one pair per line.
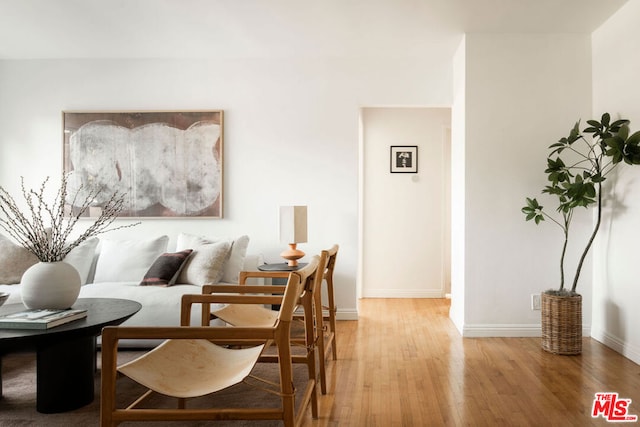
167,164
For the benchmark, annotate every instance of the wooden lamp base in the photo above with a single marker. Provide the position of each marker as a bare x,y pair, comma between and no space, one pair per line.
292,254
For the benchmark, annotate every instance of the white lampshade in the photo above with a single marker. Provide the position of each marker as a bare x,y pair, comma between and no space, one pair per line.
293,224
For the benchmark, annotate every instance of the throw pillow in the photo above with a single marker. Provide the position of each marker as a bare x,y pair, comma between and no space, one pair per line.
165,269
235,263
81,257
205,265
185,241
127,260
238,252
14,261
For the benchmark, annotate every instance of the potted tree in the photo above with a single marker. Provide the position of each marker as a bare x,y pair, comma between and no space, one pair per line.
577,165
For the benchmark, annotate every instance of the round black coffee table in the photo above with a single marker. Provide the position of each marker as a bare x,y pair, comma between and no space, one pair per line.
66,354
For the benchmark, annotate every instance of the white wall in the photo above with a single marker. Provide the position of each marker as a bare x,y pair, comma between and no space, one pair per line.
522,93
615,89
458,164
283,117
403,215
300,116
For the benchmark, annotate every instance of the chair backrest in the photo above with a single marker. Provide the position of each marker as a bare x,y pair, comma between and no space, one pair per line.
314,281
332,254
298,282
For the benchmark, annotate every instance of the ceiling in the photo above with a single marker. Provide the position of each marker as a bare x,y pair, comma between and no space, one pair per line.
256,28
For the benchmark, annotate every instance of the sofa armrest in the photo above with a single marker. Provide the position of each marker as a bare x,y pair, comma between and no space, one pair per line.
251,263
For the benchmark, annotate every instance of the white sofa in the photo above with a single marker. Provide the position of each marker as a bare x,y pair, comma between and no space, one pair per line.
123,268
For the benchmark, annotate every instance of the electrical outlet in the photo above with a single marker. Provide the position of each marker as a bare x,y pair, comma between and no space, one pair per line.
535,301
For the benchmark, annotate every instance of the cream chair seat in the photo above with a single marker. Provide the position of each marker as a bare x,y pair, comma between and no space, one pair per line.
197,361
244,315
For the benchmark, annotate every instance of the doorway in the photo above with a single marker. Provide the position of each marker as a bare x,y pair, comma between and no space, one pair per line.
404,215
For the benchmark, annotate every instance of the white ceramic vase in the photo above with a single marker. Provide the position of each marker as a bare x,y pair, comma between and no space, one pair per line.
50,285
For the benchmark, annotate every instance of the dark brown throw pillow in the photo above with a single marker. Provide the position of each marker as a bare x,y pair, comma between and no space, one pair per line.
165,269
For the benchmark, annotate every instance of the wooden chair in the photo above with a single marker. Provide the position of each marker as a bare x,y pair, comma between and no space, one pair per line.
256,315
330,317
326,323
325,316
193,362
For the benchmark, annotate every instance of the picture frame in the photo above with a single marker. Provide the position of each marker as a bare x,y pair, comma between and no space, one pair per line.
404,159
168,164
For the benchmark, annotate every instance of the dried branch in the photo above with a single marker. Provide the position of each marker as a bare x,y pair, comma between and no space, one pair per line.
45,229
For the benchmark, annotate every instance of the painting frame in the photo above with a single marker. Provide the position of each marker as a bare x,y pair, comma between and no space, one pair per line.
167,163
404,159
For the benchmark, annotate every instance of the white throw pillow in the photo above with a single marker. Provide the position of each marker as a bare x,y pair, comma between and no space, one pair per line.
14,261
205,264
127,260
81,257
234,264
190,241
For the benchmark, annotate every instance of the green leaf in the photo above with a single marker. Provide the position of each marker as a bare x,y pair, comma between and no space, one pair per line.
574,134
634,139
623,132
533,204
553,190
632,154
605,119
594,123
615,126
616,150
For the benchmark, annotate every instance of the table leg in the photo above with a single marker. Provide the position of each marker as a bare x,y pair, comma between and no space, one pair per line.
65,374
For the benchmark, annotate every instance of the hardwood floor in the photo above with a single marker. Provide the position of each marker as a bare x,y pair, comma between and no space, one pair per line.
403,363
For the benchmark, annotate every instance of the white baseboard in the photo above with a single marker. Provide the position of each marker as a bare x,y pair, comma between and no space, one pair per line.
500,330
350,314
508,330
616,344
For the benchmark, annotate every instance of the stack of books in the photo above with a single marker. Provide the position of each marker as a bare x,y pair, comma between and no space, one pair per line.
40,318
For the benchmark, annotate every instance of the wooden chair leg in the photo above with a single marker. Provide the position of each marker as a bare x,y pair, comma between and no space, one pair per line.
311,343
332,316
319,324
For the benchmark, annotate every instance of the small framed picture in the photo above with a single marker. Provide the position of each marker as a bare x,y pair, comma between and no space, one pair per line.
404,159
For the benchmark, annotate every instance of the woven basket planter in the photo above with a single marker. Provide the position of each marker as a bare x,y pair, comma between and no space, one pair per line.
562,324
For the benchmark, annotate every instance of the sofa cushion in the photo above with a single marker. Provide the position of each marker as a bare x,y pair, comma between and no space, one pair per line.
15,260
234,264
81,257
165,269
205,265
236,259
127,260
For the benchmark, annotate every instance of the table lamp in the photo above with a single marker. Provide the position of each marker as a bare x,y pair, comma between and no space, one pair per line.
293,230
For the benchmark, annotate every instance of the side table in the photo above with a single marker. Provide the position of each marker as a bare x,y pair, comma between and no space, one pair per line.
281,267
